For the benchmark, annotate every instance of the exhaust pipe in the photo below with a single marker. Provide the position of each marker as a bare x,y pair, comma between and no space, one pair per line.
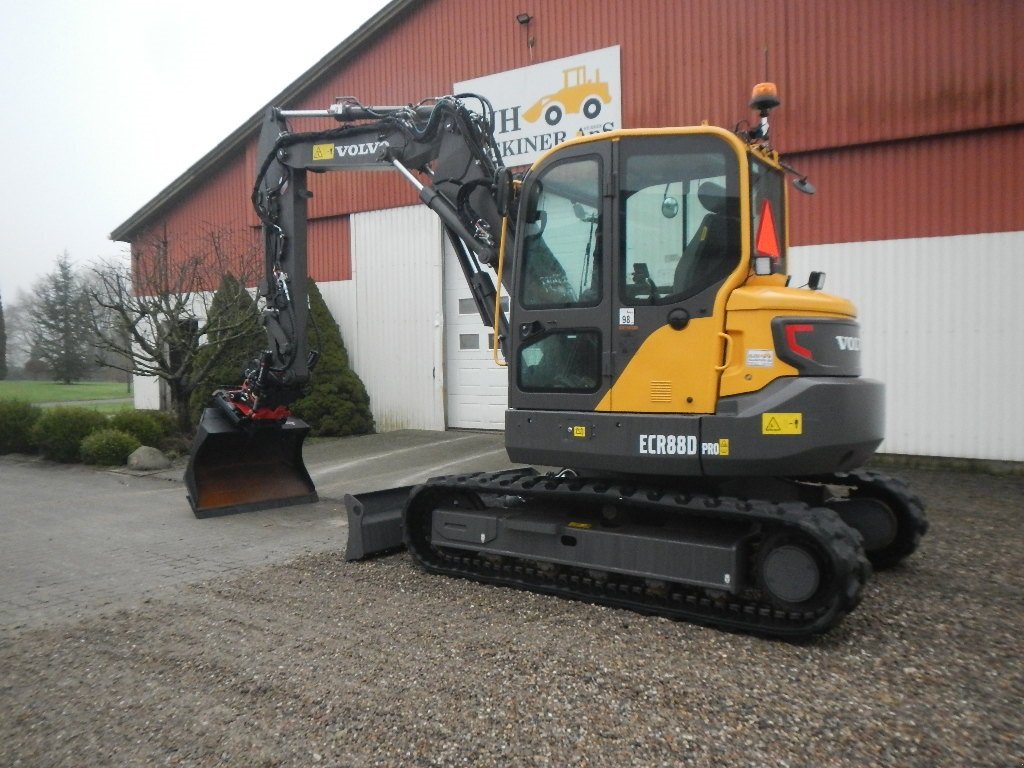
235,469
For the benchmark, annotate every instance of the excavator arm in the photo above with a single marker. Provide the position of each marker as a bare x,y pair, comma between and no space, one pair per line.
444,150
447,153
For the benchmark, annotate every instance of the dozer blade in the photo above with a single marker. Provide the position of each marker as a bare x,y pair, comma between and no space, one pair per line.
232,469
375,522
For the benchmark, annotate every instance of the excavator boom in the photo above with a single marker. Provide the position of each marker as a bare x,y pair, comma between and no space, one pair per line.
247,452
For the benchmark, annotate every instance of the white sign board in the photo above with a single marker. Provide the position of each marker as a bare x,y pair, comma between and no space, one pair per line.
540,106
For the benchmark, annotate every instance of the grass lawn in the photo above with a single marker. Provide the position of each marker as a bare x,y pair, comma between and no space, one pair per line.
55,392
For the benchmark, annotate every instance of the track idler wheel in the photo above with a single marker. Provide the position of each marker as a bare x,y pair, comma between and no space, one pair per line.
792,572
905,529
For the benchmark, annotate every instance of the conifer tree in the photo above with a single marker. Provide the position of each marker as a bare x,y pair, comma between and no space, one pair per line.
62,323
225,353
337,403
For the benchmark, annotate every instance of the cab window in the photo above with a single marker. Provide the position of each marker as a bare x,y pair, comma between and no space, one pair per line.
680,217
767,216
562,237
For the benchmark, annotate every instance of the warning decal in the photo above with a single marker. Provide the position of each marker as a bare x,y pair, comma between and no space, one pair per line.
767,241
782,423
323,151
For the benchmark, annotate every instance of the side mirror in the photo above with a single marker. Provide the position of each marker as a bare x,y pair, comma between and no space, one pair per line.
804,186
816,281
503,191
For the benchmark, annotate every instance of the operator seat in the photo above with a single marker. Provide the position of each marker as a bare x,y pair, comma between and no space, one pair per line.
713,252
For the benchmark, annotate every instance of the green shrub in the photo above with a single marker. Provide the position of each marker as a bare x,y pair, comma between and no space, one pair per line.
337,403
166,420
108,447
16,420
148,427
59,432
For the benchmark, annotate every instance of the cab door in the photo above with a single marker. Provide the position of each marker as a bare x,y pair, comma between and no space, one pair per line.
561,317
678,250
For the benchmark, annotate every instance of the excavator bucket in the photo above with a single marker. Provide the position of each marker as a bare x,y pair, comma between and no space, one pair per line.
375,522
233,469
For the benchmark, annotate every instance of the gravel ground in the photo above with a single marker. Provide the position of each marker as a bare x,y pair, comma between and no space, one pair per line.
324,662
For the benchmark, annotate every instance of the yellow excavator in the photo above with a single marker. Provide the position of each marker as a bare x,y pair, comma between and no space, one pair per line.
706,420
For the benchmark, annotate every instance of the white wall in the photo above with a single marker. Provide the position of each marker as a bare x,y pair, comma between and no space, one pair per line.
401,342
942,328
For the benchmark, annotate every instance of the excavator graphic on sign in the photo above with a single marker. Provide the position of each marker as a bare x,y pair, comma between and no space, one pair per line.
578,94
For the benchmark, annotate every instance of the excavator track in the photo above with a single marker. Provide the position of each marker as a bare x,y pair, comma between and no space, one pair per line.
773,544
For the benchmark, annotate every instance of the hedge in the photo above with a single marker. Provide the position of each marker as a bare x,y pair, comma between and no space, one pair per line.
16,421
59,432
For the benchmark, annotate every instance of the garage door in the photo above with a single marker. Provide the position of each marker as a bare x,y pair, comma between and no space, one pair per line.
476,389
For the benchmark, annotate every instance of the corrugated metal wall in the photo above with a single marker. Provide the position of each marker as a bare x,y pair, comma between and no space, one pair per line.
858,75
221,211
950,185
875,70
851,74
215,217
329,249
940,327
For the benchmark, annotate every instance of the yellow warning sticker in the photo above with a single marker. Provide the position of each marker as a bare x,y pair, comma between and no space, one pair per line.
782,423
579,431
323,151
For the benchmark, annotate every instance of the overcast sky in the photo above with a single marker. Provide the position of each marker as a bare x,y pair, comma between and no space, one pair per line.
103,103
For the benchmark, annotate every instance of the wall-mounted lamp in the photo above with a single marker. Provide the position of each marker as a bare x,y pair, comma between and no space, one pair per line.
523,20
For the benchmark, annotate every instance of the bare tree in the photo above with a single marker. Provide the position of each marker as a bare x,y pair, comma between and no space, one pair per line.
151,315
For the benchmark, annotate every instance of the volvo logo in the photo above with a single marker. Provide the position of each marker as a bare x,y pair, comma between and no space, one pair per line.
848,343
